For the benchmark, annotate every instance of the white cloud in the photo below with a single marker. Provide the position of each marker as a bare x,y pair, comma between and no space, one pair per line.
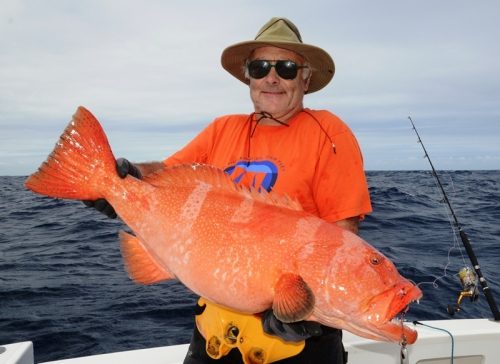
156,64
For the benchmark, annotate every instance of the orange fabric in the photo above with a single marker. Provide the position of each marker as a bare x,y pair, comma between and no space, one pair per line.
298,160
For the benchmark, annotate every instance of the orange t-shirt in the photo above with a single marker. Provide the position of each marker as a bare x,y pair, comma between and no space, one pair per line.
315,159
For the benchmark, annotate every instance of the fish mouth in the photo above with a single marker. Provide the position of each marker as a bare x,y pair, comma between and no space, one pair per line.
384,319
404,333
394,327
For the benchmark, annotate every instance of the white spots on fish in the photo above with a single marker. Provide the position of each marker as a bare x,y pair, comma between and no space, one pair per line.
244,211
374,317
402,292
186,258
223,277
306,227
235,269
193,204
180,246
306,251
220,275
75,144
341,288
72,138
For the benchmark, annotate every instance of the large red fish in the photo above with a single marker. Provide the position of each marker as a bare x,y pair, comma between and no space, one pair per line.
242,249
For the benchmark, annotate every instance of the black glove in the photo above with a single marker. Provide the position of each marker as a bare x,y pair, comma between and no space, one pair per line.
294,331
123,168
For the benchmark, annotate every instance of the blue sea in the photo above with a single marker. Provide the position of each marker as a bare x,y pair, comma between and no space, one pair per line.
63,284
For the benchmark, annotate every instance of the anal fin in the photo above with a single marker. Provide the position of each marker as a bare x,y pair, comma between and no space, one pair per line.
140,265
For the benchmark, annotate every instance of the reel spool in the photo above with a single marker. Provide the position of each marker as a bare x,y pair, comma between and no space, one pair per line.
469,282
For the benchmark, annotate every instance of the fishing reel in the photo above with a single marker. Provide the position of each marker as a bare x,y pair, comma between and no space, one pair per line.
469,281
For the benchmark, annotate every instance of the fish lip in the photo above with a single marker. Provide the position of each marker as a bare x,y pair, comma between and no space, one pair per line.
392,330
401,332
396,321
392,327
402,301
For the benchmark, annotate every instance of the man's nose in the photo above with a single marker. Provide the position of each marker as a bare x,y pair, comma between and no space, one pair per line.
272,76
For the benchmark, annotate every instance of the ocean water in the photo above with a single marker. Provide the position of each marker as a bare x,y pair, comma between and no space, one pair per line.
63,284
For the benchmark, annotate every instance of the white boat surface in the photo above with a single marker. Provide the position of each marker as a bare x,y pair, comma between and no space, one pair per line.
472,341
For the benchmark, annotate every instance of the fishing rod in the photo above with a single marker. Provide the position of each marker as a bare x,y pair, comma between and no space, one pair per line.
466,275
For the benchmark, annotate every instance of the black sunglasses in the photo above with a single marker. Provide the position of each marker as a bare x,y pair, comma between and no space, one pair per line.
260,68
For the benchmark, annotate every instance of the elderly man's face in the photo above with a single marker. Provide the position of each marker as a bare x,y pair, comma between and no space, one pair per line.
280,97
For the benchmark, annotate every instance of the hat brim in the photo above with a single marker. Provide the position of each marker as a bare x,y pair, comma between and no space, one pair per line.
323,68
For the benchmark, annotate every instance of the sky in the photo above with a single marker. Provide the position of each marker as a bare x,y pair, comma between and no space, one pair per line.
150,71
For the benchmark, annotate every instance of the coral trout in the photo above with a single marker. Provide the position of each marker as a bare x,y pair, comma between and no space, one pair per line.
243,249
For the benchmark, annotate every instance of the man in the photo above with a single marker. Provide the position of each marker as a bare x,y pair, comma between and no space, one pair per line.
309,155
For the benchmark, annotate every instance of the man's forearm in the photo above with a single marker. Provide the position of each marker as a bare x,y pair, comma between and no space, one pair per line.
149,167
351,224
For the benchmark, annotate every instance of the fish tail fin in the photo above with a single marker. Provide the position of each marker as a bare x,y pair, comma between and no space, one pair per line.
80,163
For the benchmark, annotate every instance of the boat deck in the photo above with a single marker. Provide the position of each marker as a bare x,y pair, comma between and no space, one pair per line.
475,341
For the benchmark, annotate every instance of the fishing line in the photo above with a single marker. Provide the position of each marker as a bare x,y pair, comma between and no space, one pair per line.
454,245
440,329
445,270
454,231
469,277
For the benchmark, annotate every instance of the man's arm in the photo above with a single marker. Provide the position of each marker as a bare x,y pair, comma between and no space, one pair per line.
351,224
149,167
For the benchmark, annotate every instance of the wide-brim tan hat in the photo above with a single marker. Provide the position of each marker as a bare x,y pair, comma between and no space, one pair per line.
282,33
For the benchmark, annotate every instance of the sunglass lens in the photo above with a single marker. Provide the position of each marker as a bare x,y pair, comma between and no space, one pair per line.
286,69
259,69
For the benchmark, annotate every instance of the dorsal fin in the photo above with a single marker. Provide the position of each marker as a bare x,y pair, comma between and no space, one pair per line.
189,173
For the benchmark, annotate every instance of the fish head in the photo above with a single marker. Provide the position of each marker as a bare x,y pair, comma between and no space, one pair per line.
363,292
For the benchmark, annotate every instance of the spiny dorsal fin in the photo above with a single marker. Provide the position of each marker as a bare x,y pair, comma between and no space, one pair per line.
190,173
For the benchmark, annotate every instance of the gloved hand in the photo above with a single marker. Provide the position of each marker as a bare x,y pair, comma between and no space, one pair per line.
295,331
123,168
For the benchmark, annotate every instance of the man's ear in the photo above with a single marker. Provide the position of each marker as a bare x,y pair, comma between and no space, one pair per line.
306,83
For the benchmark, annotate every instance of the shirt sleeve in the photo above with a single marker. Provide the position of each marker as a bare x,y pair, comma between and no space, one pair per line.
339,185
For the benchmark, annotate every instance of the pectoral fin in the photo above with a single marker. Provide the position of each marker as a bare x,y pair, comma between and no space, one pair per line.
293,300
140,265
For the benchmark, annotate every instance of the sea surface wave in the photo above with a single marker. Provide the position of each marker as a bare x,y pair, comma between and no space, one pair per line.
63,284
